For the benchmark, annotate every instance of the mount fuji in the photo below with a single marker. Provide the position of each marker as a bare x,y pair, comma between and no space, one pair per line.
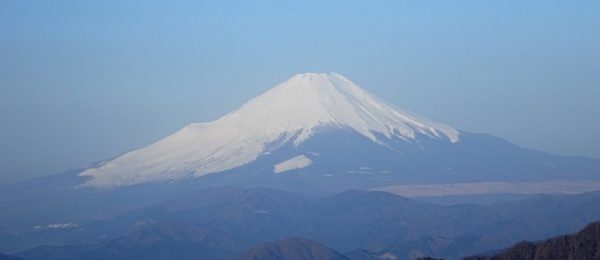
321,130
294,112
313,134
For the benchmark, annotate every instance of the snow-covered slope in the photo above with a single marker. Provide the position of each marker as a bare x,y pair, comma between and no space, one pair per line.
297,162
290,112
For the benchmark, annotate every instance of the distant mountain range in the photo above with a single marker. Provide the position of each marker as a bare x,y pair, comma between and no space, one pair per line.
225,222
153,240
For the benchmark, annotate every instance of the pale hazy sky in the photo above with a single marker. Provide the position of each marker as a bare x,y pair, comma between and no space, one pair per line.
83,81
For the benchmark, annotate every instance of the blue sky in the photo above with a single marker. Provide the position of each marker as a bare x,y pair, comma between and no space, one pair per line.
83,81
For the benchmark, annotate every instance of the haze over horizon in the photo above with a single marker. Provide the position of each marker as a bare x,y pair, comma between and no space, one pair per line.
83,82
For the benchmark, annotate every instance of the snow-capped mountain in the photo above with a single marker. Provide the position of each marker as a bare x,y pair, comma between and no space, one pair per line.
320,131
291,112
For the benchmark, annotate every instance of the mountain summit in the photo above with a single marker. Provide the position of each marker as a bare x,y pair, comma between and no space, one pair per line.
292,111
